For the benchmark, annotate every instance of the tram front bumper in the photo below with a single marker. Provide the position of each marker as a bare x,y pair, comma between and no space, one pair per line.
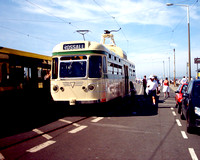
74,101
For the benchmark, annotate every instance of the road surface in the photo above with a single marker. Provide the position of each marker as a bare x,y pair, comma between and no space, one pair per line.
123,130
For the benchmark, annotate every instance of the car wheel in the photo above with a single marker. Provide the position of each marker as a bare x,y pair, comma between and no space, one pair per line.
190,128
182,115
179,108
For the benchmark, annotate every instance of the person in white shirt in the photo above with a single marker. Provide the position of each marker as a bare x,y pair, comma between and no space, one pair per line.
184,80
152,85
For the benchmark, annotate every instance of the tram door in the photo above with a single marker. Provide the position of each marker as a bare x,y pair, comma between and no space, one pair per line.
126,79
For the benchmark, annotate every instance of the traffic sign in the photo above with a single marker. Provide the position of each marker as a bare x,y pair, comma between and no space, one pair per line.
196,60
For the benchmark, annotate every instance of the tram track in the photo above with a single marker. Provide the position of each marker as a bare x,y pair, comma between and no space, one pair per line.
36,135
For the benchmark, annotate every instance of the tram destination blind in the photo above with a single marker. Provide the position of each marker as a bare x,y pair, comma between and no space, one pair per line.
73,46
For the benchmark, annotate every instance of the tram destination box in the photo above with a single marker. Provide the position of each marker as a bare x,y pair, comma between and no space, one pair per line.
73,46
197,60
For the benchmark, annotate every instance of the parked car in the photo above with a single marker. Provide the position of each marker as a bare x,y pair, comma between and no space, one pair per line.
179,95
190,109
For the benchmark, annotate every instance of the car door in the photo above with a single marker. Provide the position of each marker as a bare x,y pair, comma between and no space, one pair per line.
185,102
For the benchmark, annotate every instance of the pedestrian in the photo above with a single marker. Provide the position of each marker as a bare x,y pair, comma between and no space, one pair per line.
158,82
144,85
183,80
151,87
47,79
166,87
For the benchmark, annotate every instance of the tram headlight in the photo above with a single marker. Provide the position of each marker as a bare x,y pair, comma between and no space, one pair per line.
62,89
55,88
91,87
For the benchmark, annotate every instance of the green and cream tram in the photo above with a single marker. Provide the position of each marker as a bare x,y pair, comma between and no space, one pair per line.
90,72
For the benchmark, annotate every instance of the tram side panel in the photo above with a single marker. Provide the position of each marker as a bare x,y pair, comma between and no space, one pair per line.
114,82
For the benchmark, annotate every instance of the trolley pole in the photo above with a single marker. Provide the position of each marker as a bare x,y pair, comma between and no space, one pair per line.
188,24
174,69
169,69
164,69
189,50
83,32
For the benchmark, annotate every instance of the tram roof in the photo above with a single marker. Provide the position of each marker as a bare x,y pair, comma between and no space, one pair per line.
81,47
78,46
23,53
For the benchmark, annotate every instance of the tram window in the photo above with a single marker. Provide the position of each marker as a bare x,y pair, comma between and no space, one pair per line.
27,73
110,68
73,69
73,58
95,66
55,68
120,71
39,72
104,65
115,70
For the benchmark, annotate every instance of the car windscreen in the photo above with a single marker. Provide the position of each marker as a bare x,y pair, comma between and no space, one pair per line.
179,87
70,69
184,88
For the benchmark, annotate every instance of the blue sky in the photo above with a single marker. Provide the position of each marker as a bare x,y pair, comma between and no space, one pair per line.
150,29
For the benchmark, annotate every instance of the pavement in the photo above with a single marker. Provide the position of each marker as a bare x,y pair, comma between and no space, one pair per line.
174,88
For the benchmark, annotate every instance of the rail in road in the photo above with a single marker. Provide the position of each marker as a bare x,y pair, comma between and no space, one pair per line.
125,130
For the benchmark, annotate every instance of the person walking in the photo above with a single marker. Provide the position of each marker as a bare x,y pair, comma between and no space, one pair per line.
151,87
144,85
166,87
183,80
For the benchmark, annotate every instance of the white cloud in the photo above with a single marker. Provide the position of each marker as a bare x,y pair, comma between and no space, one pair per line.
126,11
144,22
142,12
173,44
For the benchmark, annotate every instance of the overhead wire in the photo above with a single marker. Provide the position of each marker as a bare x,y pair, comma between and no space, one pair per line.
180,21
28,20
28,35
61,19
114,18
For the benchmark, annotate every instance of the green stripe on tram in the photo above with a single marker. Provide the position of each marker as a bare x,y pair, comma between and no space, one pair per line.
78,52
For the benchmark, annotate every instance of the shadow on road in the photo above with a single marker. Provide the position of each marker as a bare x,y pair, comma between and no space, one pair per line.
24,113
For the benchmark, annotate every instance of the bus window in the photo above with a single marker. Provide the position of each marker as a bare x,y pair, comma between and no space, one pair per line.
3,74
55,68
95,66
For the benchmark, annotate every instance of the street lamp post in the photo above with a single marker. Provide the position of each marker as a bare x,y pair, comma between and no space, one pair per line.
174,68
188,23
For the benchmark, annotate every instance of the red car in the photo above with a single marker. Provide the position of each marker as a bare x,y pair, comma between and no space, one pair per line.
179,95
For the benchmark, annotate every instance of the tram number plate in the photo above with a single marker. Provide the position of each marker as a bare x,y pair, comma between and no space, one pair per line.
73,46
